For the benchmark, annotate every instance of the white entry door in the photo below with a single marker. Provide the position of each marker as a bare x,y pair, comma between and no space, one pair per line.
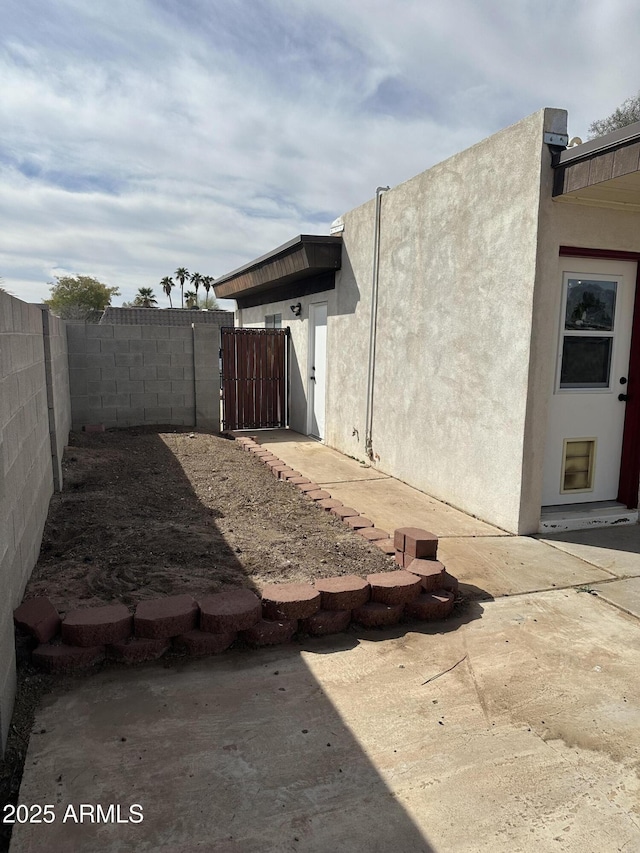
586,414
317,368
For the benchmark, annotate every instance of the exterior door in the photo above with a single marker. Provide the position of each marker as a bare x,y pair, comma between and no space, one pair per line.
317,368
586,414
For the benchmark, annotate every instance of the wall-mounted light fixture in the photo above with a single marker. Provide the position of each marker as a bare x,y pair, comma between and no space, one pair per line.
296,309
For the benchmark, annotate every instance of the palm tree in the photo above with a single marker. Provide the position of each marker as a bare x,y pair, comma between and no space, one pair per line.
196,281
208,302
191,298
182,274
167,284
145,298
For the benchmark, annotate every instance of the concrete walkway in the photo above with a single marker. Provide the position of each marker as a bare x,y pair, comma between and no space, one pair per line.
513,728
484,558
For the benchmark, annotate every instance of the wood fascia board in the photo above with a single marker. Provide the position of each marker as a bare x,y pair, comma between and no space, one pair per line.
598,168
296,261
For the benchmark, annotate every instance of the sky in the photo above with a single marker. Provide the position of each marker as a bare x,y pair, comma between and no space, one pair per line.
138,136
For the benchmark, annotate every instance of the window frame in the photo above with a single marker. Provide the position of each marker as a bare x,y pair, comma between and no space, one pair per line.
587,333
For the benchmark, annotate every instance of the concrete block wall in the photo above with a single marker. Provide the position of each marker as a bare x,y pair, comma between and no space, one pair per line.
206,376
122,375
26,453
58,396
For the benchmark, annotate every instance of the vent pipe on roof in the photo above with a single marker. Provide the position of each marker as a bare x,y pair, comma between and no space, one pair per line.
368,443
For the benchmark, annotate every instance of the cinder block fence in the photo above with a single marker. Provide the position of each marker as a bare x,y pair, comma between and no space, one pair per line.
130,375
35,416
56,376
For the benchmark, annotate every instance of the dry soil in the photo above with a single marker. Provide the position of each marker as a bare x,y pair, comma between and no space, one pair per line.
146,513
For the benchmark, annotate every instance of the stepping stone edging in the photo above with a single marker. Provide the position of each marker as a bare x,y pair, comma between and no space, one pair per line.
179,621
212,624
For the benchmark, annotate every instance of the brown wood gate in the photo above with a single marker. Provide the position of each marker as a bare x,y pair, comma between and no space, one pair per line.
254,378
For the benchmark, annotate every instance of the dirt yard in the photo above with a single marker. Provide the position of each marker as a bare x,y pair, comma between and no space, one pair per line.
146,513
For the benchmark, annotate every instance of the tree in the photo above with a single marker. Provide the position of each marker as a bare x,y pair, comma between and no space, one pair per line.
196,281
192,298
182,274
167,285
208,302
145,298
207,281
627,113
77,297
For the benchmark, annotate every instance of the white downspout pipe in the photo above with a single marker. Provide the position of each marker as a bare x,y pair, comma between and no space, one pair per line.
368,443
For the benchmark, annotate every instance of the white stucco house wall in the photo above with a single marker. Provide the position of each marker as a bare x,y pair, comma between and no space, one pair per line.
474,331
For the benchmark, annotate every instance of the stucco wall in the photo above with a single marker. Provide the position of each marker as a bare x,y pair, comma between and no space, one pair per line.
460,267
458,247
123,375
34,424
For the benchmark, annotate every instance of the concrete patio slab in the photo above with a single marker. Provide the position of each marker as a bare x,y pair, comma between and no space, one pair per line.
388,502
391,504
361,742
318,462
510,565
624,594
616,549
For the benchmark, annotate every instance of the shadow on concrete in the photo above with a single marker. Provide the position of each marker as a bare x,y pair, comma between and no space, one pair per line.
464,612
243,753
616,538
276,436
470,593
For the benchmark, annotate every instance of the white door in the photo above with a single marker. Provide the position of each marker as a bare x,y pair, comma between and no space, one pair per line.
317,368
586,416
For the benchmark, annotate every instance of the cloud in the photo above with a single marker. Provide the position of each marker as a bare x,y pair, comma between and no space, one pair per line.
138,137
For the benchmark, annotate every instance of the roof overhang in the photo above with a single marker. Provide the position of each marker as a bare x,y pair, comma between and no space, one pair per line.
602,173
304,257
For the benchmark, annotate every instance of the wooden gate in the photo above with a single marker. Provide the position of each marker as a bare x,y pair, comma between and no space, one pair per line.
254,378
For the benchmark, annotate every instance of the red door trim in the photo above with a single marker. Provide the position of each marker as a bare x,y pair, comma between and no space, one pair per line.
630,460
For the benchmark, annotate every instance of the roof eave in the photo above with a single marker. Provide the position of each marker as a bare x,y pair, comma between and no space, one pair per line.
303,257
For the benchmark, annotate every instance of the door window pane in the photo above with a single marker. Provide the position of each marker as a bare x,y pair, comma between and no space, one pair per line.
591,305
586,362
